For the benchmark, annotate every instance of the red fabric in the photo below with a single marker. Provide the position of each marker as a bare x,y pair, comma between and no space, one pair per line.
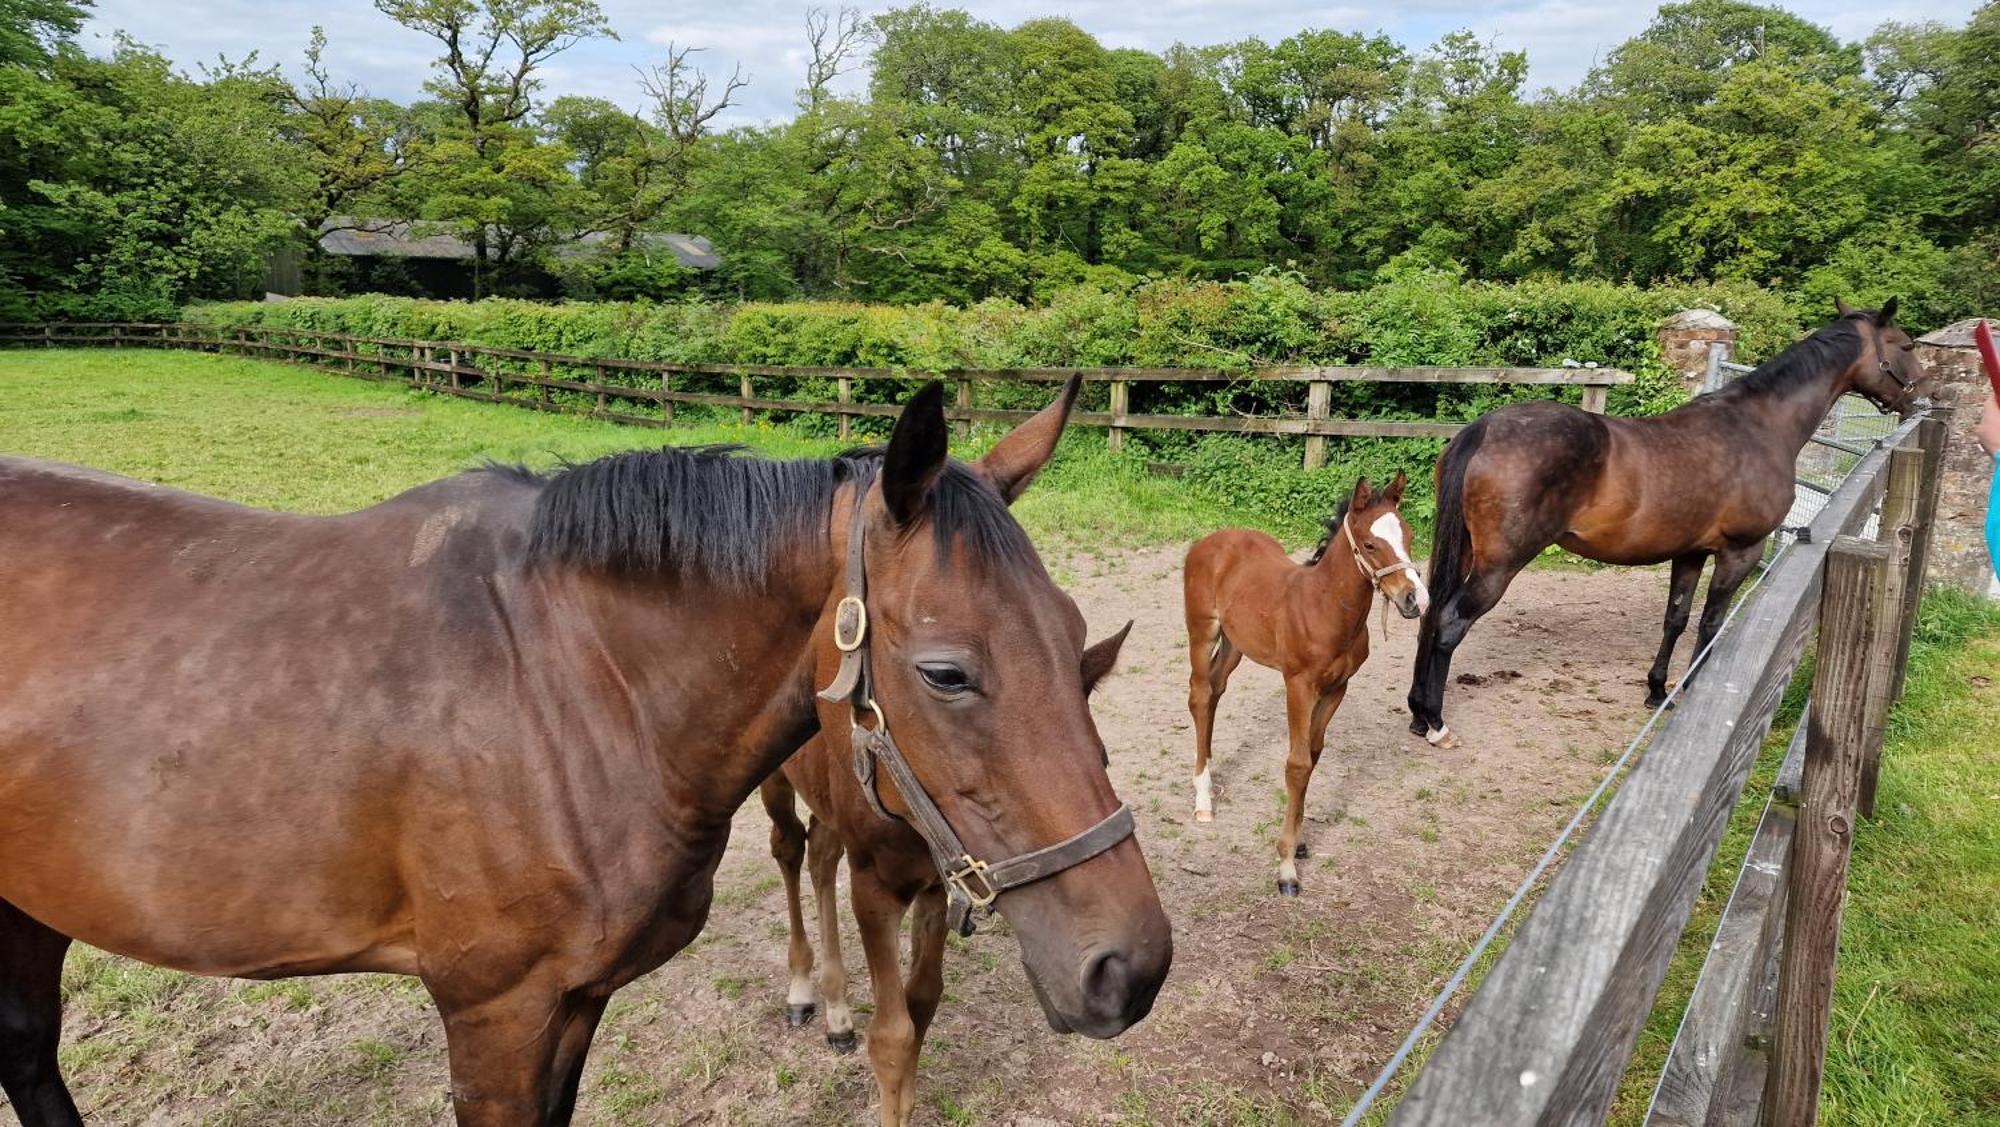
1988,354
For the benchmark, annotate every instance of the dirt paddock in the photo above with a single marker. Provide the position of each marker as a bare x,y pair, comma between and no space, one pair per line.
1276,1009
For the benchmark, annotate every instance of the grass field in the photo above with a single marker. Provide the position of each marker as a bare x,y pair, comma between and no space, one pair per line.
1917,1015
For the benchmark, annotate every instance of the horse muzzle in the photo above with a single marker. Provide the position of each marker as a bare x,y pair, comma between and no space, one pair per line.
1114,990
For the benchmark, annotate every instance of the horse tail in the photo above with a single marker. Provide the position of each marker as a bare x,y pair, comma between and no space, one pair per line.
1451,539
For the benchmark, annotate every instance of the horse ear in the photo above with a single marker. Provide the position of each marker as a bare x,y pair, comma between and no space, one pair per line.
1393,495
1101,656
1841,308
916,454
1887,313
1364,496
1015,460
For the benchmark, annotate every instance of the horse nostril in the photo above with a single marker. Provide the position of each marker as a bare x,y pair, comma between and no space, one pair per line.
1106,981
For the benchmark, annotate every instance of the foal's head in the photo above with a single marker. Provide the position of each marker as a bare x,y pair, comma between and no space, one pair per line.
980,672
1887,372
1379,538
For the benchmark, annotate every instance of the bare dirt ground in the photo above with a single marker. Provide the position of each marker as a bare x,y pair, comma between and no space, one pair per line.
1276,1011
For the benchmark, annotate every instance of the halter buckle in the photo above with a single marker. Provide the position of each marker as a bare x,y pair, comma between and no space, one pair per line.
971,867
851,611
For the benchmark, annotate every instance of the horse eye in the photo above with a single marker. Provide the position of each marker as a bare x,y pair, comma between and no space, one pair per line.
945,678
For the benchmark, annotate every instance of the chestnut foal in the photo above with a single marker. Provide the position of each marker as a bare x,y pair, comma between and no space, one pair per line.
891,870
1309,621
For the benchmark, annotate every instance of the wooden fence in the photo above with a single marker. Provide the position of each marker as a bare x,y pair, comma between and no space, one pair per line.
1550,1034
470,371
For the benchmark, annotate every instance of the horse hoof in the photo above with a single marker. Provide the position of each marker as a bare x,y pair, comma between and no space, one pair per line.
842,1042
1204,815
1288,888
800,1014
1444,739
1301,852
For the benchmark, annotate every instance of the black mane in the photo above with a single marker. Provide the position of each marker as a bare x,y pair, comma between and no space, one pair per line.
1333,524
1831,349
709,511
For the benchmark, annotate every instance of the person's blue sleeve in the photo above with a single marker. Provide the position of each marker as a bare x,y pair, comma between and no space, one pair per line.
1993,520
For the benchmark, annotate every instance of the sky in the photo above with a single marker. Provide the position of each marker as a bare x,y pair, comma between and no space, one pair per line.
1563,38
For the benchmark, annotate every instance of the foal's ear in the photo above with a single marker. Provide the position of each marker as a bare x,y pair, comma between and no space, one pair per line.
1841,308
1887,314
1393,495
1099,658
1015,460
916,454
1364,495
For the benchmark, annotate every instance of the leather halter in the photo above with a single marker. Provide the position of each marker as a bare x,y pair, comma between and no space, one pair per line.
1375,574
969,882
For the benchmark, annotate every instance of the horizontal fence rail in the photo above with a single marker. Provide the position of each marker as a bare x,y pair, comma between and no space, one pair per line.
455,369
1549,1035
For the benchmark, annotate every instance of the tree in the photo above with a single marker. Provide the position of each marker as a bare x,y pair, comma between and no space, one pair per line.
354,146
496,188
32,30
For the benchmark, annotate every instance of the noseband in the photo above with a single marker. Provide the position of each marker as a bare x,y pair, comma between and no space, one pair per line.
969,882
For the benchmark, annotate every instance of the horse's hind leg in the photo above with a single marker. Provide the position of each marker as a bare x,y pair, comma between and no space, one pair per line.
1480,594
1212,659
788,847
31,958
1680,600
823,858
1732,567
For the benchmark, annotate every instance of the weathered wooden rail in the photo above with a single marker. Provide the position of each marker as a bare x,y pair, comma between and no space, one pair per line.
453,369
1549,1035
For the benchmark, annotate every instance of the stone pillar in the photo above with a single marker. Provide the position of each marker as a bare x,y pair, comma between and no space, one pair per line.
1958,544
1684,340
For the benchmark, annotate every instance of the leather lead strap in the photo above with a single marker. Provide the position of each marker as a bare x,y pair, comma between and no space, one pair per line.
875,747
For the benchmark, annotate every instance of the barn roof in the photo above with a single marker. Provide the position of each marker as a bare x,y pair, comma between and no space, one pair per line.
398,238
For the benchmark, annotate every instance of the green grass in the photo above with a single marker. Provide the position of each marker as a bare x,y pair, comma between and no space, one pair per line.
1915,1035
286,437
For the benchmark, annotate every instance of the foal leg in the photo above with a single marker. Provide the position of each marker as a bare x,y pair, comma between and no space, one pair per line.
1213,659
1480,594
788,847
1732,567
1305,711
1680,600
516,1059
823,858
31,959
892,1032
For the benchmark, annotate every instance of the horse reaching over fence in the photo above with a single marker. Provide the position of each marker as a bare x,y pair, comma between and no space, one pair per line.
890,869
1309,621
492,731
1713,477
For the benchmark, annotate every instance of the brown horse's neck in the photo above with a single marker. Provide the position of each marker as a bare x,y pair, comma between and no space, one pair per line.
1336,579
1794,407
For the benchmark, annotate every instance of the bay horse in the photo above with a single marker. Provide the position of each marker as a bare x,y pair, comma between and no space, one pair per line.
491,732
890,871
1246,598
1710,478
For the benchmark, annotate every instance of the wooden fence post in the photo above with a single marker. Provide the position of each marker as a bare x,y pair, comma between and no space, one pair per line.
965,405
846,397
599,369
1932,434
1120,406
1595,396
666,388
453,360
48,335
1848,640
543,388
1319,400
1894,617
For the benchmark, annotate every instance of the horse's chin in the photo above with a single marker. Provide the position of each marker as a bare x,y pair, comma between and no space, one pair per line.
1049,1012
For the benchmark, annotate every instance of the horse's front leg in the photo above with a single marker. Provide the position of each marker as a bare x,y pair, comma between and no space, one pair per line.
892,1032
517,1058
1307,711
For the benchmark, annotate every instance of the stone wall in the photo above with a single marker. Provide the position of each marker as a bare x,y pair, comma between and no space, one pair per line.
1685,338
1958,544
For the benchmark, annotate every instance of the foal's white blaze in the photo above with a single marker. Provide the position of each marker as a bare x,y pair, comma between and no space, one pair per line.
1204,802
1389,529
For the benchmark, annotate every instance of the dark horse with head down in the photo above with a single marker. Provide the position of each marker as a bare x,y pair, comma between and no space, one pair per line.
1711,478
491,732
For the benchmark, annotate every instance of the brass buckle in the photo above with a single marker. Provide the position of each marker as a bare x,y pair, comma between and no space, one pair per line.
849,645
973,868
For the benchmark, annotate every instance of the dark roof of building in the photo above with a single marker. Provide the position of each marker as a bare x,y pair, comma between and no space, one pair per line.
398,238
